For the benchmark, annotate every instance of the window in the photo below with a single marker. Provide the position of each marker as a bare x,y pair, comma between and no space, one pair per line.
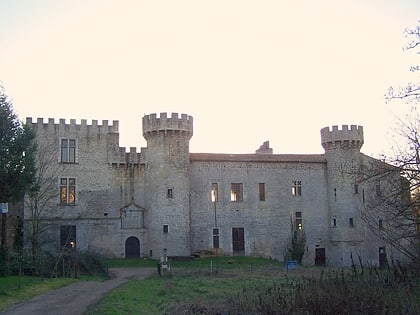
261,191
296,188
68,236
298,220
381,224
68,191
170,193
351,222
165,229
378,189
334,222
335,194
214,192
236,192
215,238
356,189
68,150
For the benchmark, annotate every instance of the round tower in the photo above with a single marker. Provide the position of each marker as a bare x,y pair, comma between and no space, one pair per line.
167,186
342,152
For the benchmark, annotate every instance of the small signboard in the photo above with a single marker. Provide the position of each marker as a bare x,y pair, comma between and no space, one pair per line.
4,207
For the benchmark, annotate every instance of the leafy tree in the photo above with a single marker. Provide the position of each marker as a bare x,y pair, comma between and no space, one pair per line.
16,153
16,161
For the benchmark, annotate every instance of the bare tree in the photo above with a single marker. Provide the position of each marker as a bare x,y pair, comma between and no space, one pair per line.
43,193
411,91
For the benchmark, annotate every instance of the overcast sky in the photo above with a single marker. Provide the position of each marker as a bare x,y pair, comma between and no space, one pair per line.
247,71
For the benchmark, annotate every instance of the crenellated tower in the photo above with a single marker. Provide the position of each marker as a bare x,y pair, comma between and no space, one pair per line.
342,152
167,190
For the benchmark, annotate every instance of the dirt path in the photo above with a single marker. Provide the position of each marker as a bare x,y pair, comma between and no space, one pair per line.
75,298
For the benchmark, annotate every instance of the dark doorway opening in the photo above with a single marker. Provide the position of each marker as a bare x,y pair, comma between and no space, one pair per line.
320,257
132,247
238,241
383,261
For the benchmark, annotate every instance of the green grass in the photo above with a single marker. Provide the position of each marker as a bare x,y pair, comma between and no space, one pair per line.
15,289
158,295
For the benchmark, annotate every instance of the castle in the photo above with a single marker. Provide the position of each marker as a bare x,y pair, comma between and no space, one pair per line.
165,200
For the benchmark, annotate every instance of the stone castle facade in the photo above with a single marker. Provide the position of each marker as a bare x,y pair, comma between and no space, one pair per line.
165,200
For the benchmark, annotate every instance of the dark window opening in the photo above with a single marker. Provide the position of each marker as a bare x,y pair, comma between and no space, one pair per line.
170,193
215,238
261,191
356,189
165,228
68,236
351,222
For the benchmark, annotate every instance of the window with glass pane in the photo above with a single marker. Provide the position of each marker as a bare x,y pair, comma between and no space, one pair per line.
67,190
68,150
236,192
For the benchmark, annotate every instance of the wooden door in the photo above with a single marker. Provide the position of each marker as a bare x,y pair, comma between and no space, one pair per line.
238,241
132,247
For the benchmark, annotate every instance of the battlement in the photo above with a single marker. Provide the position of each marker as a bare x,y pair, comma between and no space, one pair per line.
153,124
350,137
104,128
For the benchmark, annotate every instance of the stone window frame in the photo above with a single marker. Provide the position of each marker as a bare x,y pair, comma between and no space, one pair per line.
68,150
261,192
68,190
296,188
236,192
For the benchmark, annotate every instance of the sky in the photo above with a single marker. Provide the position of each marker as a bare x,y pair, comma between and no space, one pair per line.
247,71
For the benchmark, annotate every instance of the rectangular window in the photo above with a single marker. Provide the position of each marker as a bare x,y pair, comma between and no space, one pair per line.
68,236
68,150
334,222
351,222
296,188
378,189
165,229
236,192
298,221
356,189
215,238
214,192
68,191
261,191
170,193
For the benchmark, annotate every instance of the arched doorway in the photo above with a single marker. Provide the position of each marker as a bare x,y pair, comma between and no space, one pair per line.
132,247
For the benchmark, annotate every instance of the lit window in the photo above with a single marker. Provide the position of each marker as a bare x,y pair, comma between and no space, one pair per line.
261,191
214,192
236,192
296,188
68,191
298,220
68,150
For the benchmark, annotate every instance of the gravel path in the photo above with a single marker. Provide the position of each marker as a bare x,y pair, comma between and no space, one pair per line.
75,298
